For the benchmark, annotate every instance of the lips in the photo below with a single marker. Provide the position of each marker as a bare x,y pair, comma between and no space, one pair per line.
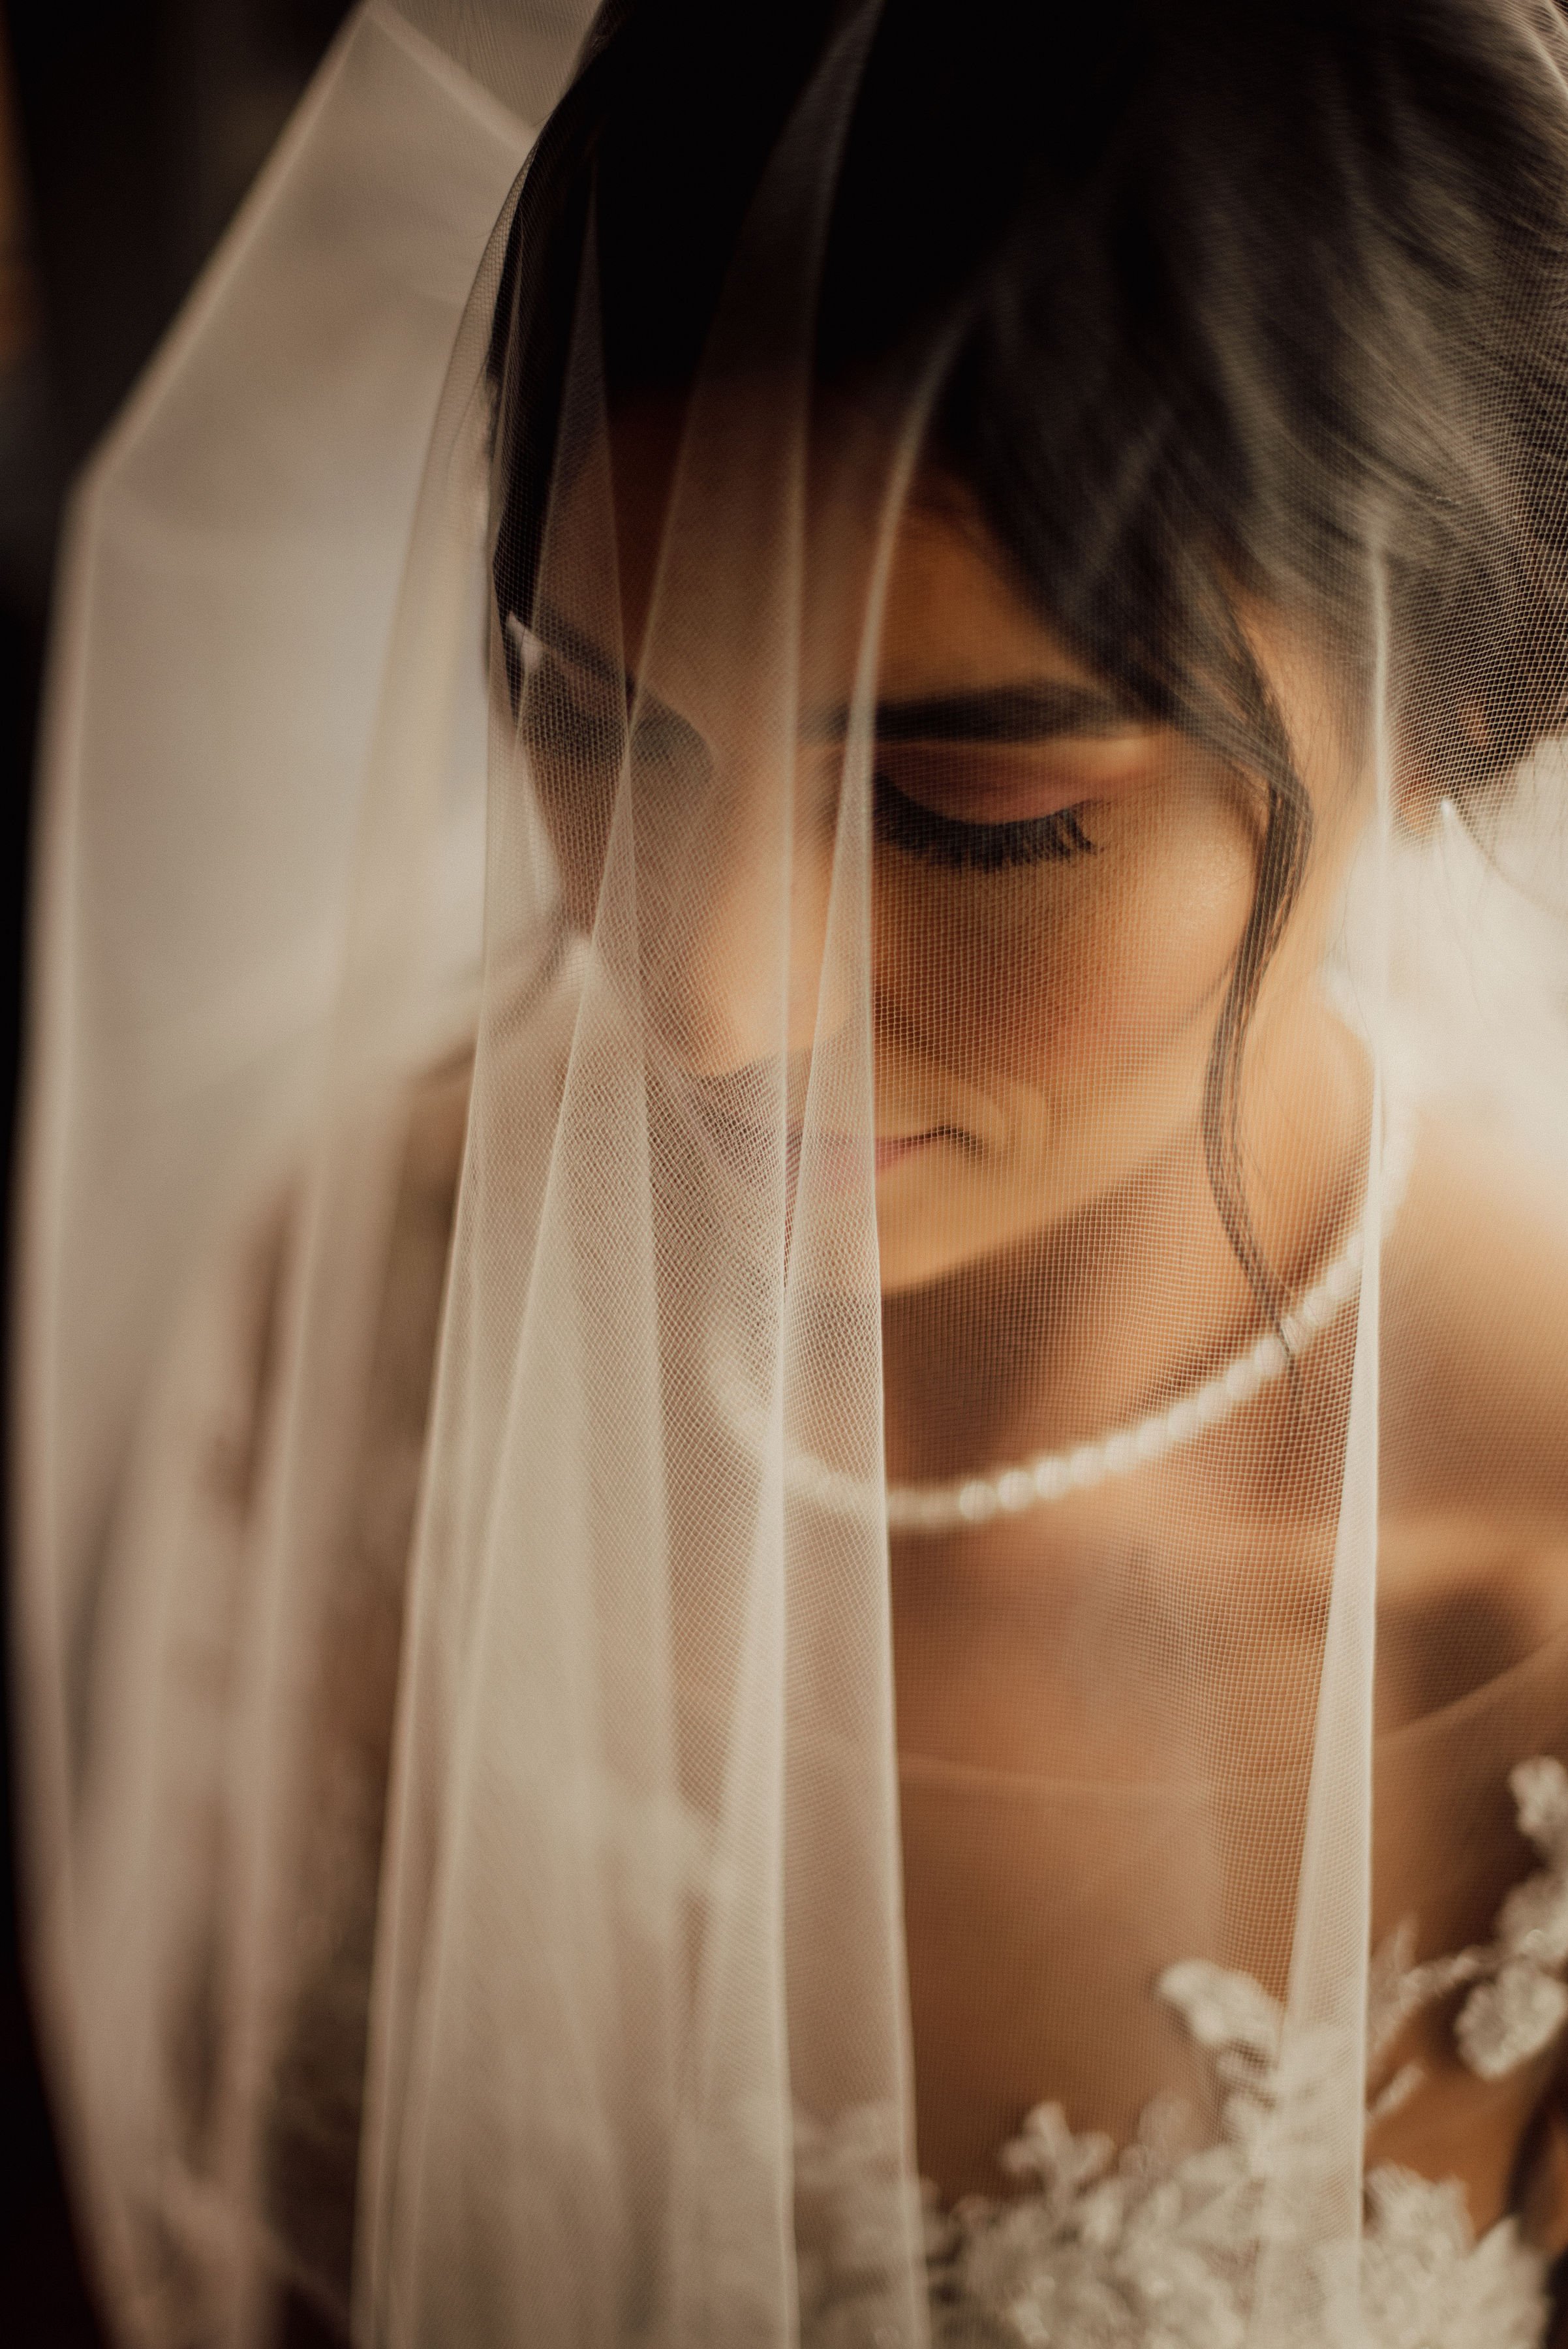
838,1159
893,1149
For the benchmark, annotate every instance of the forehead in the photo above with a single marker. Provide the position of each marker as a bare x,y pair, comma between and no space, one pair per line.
952,607
736,538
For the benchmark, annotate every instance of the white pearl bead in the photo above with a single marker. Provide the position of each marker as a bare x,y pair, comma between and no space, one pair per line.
1210,1403
977,1501
1183,1419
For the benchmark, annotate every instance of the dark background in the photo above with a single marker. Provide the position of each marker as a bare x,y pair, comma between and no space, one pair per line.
129,132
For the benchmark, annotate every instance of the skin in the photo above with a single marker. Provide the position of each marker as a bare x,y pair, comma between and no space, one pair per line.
1042,1031
1053,1262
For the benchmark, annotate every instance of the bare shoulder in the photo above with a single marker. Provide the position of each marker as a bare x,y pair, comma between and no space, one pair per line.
1474,1393
1473,1555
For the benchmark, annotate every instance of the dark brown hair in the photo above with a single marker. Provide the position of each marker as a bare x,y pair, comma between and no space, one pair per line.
1226,294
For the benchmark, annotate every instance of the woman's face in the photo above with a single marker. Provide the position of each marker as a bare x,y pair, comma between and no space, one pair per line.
1059,886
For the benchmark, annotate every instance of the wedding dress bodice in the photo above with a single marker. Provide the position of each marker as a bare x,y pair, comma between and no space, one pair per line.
1152,2245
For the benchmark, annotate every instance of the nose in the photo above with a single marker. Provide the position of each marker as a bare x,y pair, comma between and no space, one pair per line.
735,959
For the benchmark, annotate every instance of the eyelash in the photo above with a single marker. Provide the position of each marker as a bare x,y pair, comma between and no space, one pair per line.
920,832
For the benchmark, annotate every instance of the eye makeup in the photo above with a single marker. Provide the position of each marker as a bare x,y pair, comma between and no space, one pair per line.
987,806
932,838
990,779
984,784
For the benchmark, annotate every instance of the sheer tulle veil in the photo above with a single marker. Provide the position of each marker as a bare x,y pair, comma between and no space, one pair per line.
504,940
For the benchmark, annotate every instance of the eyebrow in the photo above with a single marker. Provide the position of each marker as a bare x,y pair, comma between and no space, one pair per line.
1040,709
557,633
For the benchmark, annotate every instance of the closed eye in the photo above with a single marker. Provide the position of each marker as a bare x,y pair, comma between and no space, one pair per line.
573,715
557,723
921,833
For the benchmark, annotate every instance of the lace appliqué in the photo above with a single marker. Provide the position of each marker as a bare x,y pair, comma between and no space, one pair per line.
1518,2003
1153,2247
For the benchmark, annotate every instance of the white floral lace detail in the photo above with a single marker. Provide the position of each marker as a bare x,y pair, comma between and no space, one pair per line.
1517,2004
1153,2247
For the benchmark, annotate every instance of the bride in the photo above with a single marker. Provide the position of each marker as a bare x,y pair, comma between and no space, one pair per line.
816,1589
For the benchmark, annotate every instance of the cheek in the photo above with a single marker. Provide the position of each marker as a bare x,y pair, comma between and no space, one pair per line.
1155,954
1054,976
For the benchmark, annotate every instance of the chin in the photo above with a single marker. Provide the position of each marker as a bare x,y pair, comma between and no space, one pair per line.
924,1239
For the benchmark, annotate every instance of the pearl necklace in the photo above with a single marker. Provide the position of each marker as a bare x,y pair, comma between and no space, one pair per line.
1053,1476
